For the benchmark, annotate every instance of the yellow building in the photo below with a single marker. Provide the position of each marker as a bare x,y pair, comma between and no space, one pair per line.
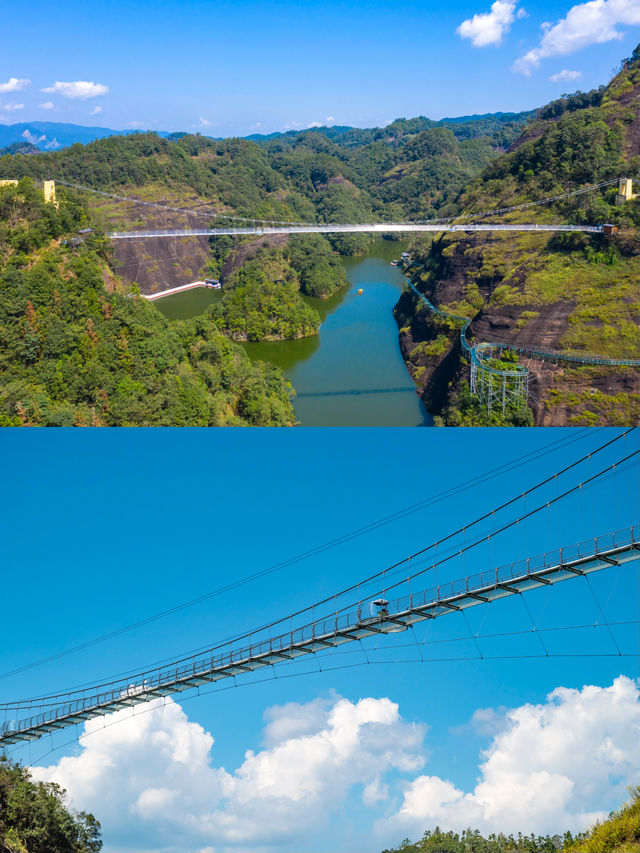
625,191
50,192
48,188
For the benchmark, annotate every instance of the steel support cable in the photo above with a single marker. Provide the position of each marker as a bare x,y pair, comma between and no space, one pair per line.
346,607
527,515
66,696
253,682
177,209
452,492
548,200
524,205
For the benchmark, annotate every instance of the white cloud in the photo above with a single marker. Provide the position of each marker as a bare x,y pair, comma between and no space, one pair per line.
137,125
32,138
565,75
589,23
551,768
330,119
204,123
150,780
78,89
46,106
14,84
490,27
484,721
95,111
10,108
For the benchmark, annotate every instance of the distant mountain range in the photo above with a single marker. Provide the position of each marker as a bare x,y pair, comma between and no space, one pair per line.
53,135
34,136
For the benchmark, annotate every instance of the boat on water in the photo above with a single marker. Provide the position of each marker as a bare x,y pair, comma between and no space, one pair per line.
394,263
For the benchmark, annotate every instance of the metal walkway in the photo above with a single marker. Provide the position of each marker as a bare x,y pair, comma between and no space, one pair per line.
369,618
526,351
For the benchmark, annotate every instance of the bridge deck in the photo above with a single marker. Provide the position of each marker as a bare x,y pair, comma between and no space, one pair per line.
375,227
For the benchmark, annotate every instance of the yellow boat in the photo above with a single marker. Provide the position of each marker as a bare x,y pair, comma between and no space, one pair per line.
360,292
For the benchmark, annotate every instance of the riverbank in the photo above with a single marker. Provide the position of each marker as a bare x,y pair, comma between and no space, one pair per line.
152,297
352,373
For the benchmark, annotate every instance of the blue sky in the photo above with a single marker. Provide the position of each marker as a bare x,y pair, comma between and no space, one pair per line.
105,528
233,68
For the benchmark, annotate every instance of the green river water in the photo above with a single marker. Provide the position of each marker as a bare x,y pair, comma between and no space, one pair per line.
352,373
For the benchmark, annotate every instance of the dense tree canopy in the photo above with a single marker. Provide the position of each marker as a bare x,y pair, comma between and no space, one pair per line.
35,819
74,351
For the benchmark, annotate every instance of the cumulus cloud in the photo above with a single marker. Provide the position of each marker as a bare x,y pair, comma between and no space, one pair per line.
584,24
48,105
95,111
151,781
551,768
14,84
489,28
565,75
78,89
10,108
32,138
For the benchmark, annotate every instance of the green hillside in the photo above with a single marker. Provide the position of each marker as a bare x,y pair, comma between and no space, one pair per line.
76,350
619,833
573,293
34,817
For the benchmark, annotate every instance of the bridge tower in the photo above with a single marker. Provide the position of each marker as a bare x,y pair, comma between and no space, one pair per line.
49,189
625,191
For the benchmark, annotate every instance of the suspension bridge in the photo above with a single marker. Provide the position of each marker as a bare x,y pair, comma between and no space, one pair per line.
389,602
368,619
261,227
337,228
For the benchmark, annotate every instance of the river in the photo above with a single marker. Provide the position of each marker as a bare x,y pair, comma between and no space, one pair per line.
352,373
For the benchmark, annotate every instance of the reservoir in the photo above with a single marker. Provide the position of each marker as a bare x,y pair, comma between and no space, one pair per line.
352,373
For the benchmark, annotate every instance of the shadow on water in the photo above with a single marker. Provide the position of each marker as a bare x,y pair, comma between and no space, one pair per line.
189,303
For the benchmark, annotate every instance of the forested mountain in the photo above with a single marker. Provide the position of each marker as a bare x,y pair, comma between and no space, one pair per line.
76,350
573,293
